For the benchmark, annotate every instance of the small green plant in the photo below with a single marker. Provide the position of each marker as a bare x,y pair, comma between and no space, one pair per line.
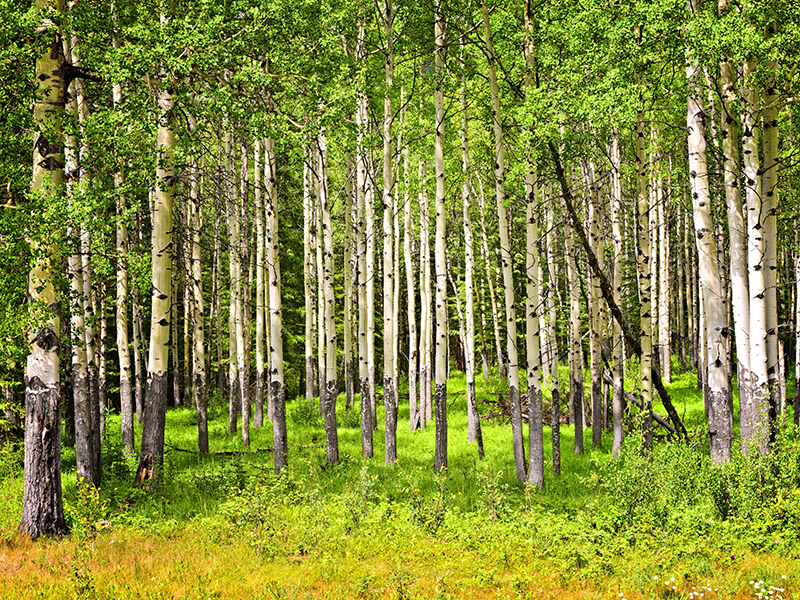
88,511
360,499
429,512
492,494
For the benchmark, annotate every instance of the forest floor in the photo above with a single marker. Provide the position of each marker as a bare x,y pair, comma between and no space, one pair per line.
222,526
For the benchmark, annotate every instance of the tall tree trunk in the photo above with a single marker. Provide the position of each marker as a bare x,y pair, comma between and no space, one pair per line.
349,281
575,341
411,292
137,359
234,264
425,328
595,299
769,187
42,508
555,419
243,304
720,417
331,391
261,378
505,253
532,270
389,331
440,454
664,285
308,268
644,266
618,372
155,410
474,433
197,312
276,389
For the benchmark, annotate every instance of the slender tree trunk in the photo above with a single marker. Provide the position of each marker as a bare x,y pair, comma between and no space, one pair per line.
349,271
505,253
555,419
331,391
618,372
425,328
575,344
389,325
243,303
720,417
440,455
197,313
261,378
276,389
308,268
474,433
664,285
595,299
644,265
411,292
152,448
769,187
532,270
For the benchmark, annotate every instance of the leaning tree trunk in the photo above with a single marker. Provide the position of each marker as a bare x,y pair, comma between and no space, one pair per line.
155,410
505,254
440,394
716,351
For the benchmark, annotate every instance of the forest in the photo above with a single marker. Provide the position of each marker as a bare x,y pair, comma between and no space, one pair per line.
410,300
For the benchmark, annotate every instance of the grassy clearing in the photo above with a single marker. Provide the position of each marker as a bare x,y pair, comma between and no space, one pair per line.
223,526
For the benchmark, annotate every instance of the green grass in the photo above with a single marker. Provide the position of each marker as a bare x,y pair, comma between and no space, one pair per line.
223,526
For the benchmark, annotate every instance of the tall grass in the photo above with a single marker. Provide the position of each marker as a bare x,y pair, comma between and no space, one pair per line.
223,526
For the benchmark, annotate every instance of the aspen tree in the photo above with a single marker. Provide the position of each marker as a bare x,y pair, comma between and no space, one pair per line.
319,270
769,187
720,417
474,433
122,292
362,197
425,328
330,392
242,304
663,286
349,272
595,300
575,344
276,389
261,378
440,455
532,271
234,263
389,374
152,447
85,457
197,312
617,368
137,359
42,508
411,292
737,235
555,421
308,262
505,256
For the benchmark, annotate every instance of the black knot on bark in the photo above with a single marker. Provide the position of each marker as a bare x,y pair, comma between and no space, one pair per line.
47,339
